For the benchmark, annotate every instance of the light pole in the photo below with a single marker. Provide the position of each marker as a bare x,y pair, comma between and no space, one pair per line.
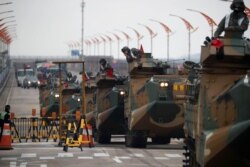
94,41
152,35
126,36
118,44
97,44
6,18
138,35
7,3
88,44
190,30
104,44
9,11
110,43
82,42
168,31
210,21
7,22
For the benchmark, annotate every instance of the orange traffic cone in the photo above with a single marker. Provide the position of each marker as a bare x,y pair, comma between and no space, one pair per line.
88,139
5,142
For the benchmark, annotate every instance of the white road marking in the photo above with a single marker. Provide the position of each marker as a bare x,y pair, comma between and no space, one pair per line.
173,155
43,165
28,155
161,158
85,157
9,159
65,155
101,155
12,164
117,160
42,158
138,155
124,157
23,164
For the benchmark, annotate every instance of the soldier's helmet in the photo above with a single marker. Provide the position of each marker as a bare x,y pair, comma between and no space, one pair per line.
7,108
136,53
102,61
125,50
238,5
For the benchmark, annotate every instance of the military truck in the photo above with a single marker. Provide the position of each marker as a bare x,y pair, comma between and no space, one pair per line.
109,104
217,119
154,105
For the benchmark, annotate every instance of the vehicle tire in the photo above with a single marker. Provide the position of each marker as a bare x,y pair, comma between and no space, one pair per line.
103,137
137,139
161,140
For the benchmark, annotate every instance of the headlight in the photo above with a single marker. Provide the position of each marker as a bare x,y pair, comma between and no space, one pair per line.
246,80
38,82
122,93
78,99
29,82
56,95
163,84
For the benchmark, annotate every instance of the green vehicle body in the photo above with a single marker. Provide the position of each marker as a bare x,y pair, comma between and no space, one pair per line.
152,110
217,119
109,113
75,101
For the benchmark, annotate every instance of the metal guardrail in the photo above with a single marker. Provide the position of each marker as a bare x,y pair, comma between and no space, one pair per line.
34,129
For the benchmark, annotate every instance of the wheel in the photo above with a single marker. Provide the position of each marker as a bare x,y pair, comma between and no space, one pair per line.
161,140
136,139
103,137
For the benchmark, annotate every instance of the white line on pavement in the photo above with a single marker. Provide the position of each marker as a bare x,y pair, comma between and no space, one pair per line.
9,159
173,155
161,158
43,165
117,160
101,155
28,155
138,155
65,155
123,157
85,157
44,158
12,164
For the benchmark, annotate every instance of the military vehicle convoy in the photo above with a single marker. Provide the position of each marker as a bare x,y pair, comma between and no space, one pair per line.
217,119
154,104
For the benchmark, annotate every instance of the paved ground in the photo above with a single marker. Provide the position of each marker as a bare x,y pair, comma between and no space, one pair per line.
116,154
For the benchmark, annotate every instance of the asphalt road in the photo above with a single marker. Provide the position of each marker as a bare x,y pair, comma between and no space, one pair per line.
47,154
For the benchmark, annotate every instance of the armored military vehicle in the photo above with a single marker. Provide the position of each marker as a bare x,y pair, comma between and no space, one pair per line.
75,102
154,105
217,119
109,103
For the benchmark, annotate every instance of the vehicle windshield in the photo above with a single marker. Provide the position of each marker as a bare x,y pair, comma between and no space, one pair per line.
20,73
29,72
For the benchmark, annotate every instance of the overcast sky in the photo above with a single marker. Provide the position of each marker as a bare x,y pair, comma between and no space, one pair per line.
50,27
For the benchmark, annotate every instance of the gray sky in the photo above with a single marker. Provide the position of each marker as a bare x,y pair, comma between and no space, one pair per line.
49,27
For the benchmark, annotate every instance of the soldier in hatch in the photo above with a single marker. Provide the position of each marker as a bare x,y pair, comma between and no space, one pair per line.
237,21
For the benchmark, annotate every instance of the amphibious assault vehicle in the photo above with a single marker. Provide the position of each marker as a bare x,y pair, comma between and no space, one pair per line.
109,103
154,105
217,117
